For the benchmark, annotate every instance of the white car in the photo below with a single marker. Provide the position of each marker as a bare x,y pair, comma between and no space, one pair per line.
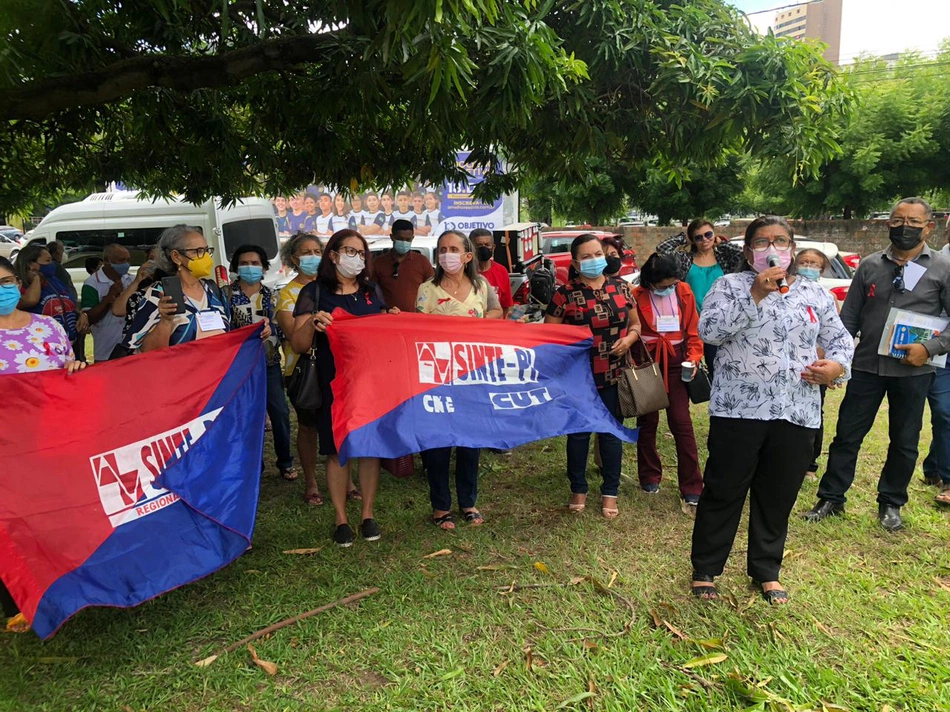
9,246
837,278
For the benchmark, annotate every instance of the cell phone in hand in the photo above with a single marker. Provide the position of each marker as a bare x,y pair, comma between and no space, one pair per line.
172,288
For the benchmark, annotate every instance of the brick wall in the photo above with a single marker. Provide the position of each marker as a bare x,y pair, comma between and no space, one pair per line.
861,236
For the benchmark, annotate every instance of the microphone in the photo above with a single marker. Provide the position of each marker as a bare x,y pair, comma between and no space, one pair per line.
782,284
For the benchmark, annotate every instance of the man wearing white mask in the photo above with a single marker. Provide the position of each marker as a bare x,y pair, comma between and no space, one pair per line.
99,292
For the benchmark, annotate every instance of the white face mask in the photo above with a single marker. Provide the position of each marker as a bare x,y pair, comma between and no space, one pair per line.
451,262
350,265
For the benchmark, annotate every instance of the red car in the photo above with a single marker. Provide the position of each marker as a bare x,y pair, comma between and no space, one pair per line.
556,246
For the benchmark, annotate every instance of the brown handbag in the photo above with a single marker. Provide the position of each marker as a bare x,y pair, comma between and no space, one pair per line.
641,389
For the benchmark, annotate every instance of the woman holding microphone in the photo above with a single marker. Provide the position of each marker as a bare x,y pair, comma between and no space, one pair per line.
765,404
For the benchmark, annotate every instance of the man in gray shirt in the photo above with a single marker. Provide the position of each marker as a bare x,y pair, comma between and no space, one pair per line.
907,275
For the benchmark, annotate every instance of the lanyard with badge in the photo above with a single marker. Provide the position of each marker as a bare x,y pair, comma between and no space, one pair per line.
666,324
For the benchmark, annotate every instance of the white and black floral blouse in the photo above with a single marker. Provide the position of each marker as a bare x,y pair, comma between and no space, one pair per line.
765,347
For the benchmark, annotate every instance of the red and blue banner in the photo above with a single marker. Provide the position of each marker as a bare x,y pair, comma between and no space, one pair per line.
130,478
411,382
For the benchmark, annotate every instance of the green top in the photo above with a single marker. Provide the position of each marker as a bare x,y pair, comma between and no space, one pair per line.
700,280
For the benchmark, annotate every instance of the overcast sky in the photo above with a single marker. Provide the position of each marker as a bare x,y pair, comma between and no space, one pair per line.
874,26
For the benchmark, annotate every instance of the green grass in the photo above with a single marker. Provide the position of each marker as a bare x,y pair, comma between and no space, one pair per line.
867,628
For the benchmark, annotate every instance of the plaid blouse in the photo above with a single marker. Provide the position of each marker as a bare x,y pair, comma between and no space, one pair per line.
605,312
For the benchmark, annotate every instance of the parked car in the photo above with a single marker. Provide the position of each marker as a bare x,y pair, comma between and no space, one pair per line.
837,278
9,246
556,246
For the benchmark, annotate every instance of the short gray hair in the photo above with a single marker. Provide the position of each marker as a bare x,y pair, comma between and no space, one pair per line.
174,238
54,246
289,248
110,250
915,201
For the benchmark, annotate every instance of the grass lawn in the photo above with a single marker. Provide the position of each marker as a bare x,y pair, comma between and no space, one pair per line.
867,627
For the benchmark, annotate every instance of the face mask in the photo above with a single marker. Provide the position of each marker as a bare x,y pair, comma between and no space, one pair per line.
201,267
309,264
122,268
760,260
401,246
810,273
613,265
48,270
451,262
252,274
9,298
350,265
905,237
484,253
666,291
593,267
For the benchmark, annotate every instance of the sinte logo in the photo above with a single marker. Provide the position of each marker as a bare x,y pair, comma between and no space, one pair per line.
125,476
461,363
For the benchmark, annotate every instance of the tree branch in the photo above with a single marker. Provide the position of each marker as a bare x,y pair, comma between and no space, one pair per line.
39,99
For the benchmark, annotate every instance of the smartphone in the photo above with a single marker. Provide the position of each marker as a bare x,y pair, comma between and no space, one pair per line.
172,288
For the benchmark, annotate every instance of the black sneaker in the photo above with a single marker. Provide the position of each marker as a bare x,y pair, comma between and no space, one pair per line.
691,499
343,536
370,530
650,488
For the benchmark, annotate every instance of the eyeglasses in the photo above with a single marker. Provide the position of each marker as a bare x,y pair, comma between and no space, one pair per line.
761,244
704,236
899,279
199,252
912,222
352,252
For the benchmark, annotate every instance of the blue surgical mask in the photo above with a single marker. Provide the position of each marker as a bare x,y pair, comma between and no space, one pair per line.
9,298
812,273
48,270
593,267
401,246
121,267
252,274
309,264
666,291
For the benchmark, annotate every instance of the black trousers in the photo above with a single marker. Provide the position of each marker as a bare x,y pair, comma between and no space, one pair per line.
6,602
906,396
765,459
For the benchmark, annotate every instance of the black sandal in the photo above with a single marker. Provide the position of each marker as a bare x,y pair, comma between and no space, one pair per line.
444,519
775,596
704,593
473,516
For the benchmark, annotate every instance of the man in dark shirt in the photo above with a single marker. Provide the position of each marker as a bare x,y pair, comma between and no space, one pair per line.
400,272
497,276
57,250
907,275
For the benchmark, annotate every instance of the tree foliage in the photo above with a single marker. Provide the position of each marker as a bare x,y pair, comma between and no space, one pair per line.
237,97
896,144
709,192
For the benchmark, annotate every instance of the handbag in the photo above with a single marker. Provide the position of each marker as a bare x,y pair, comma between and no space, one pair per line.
699,389
303,386
641,389
399,467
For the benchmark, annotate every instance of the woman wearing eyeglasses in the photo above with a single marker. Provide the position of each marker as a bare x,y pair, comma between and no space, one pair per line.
183,252
703,258
765,404
343,282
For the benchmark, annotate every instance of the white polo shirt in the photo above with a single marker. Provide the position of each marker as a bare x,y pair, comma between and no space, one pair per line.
107,332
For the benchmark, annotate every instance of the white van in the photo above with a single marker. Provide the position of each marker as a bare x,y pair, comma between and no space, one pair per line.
101,219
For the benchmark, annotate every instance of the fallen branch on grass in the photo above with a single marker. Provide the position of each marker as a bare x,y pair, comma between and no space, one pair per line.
289,621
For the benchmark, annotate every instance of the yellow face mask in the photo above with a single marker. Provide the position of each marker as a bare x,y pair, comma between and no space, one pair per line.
201,267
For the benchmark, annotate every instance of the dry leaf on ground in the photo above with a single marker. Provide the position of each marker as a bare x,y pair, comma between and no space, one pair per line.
440,552
303,551
268,667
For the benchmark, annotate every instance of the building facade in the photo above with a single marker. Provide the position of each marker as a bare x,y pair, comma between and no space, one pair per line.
820,20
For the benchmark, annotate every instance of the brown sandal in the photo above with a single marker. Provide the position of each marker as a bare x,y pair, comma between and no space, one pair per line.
944,496
314,498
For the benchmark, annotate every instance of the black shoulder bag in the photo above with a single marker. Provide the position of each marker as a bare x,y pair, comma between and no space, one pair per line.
303,386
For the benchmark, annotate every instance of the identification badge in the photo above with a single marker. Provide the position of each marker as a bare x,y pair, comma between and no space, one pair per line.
210,320
666,324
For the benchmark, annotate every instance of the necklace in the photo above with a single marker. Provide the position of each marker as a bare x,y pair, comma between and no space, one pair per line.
458,285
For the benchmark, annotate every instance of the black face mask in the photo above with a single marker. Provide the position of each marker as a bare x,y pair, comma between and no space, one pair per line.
613,265
905,237
484,253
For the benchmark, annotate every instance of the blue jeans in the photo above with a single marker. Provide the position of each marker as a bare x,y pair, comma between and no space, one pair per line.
611,452
279,413
937,463
466,477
